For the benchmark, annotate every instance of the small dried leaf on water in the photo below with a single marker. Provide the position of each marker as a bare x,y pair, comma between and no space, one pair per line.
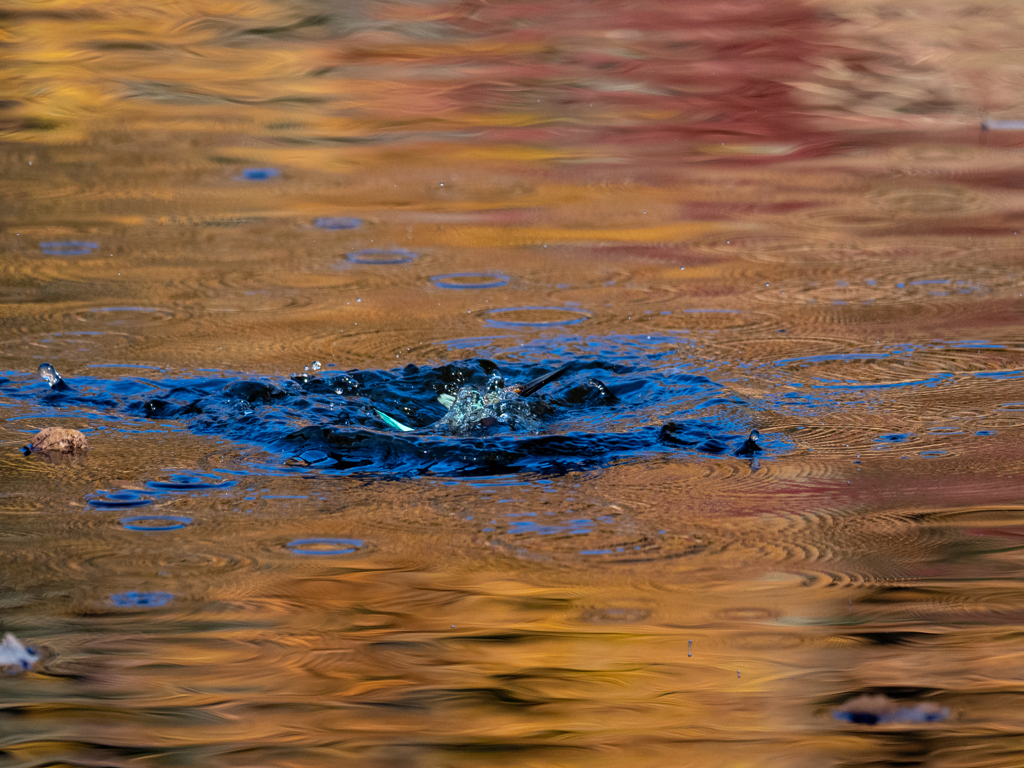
15,657
878,709
55,441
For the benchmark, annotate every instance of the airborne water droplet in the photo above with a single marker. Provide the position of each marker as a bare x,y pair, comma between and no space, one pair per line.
50,375
316,365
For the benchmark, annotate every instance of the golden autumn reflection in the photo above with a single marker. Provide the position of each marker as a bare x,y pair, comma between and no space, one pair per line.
764,259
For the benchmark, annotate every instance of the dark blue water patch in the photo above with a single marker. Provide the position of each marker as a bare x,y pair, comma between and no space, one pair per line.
141,599
325,547
579,527
185,481
337,222
622,401
534,317
470,280
974,344
68,247
933,454
149,523
385,256
881,710
894,437
258,174
118,499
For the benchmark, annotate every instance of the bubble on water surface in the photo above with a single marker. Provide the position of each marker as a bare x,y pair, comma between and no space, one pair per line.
141,599
534,317
470,280
155,523
190,482
325,546
337,222
118,499
258,174
68,247
381,256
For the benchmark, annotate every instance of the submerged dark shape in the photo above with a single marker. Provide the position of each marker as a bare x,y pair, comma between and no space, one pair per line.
878,709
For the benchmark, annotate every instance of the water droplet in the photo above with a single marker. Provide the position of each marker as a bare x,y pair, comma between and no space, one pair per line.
50,375
689,648
316,365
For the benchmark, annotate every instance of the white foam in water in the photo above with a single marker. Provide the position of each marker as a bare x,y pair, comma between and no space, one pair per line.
14,654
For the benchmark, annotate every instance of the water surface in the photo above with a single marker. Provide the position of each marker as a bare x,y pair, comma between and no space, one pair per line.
240,231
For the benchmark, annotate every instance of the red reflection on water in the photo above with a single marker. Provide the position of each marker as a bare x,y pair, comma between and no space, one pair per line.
610,71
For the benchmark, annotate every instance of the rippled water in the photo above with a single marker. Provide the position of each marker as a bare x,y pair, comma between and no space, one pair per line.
252,238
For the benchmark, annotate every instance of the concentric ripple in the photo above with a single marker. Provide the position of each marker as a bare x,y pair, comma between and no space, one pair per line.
534,317
123,499
181,482
381,256
141,599
470,280
155,523
122,316
68,247
325,547
337,222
